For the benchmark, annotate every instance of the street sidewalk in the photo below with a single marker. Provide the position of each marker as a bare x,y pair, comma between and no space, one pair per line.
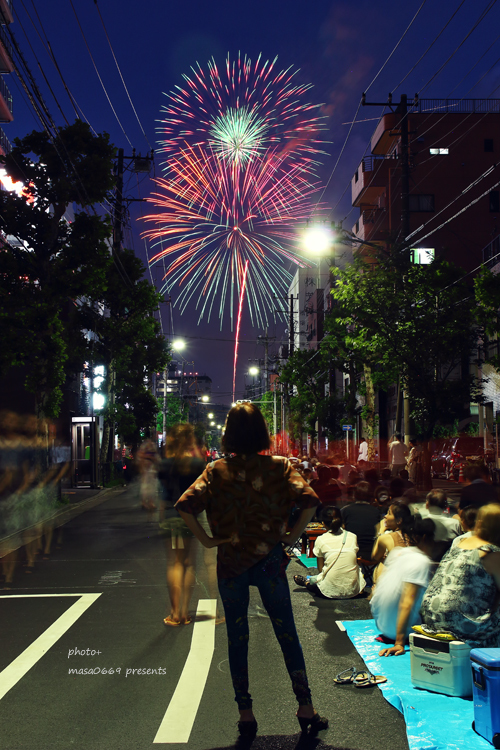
81,500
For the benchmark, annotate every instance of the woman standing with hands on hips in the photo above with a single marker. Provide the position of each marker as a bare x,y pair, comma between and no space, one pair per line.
248,498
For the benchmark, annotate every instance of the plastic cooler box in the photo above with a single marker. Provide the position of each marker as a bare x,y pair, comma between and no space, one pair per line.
441,666
485,663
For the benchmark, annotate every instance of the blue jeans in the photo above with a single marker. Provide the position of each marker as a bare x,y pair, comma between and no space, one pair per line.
269,576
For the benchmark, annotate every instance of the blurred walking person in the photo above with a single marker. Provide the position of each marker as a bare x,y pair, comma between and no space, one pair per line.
147,466
180,467
248,498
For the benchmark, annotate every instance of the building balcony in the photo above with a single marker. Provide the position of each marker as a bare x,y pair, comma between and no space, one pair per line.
5,103
6,64
371,225
386,134
369,181
6,11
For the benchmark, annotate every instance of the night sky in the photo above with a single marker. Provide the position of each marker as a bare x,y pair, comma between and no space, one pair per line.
339,47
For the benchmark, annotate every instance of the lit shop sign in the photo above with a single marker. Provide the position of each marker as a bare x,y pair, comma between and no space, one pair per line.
14,187
422,256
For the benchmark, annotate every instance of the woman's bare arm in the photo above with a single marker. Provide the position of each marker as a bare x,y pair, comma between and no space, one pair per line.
383,544
292,536
406,602
208,541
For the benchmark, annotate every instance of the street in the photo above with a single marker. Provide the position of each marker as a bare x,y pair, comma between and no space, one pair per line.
98,604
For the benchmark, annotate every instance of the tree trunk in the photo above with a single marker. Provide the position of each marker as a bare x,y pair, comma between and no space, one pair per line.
370,416
426,465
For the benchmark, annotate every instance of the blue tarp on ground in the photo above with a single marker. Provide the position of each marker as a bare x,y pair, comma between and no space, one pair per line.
308,562
433,721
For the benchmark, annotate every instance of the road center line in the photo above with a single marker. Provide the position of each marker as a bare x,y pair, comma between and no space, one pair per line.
179,717
29,657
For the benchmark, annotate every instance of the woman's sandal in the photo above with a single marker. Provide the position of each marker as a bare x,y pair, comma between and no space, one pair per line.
316,722
186,621
172,623
346,677
300,580
370,680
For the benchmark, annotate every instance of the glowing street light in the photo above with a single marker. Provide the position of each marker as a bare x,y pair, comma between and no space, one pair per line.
253,371
205,398
178,345
318,240
210,415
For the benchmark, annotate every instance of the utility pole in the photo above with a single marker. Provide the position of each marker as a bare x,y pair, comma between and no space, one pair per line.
165,378
404,156
118,212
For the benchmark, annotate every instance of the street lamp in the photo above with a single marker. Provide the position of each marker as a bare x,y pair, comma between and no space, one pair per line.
253,371
177,345
318,239
205,398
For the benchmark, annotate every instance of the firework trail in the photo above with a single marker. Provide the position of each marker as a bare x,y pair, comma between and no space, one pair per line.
240,146
238,324
212,219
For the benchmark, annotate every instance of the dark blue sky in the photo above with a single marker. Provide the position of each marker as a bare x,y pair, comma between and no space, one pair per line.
339,47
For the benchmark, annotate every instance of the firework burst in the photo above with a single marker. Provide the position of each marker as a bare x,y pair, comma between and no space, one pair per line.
212,220
242,111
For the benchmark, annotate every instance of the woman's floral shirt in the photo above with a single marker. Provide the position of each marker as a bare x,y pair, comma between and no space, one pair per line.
249,495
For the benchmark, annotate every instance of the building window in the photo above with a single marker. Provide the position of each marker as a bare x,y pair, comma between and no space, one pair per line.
356,176
494,202
421,203
438,151
488,144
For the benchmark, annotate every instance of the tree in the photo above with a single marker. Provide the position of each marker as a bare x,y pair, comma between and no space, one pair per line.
309,374
131,347
50,264
177,411
415,321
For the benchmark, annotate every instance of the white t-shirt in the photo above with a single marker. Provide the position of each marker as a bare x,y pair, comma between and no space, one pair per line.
398,452
402,565
363,451
344,579
447,528
458,539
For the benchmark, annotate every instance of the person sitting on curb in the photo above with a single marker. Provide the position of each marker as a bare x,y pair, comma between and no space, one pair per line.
395,605
339,574
468,518
392,534
478,489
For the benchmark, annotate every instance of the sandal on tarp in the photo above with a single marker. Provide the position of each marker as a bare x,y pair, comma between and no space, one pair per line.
369,680
346,677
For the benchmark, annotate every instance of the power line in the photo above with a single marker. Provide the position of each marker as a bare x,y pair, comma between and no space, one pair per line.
121,76
474,27
99,76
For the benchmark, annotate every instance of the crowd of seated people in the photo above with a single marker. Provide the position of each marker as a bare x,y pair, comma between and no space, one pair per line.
421,556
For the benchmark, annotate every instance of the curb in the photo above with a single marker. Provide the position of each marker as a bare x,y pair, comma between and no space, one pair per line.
15,541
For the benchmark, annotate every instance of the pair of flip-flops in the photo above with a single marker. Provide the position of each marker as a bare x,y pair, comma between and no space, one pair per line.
359,678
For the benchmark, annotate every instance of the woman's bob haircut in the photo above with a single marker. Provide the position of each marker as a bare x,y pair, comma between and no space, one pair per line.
245,431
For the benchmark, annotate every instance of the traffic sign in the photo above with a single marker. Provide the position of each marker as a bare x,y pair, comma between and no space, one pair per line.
347,427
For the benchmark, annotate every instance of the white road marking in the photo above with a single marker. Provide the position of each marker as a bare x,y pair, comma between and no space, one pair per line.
338,623
11,675
179,717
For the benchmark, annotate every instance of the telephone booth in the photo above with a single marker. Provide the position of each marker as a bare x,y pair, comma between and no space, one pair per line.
86,433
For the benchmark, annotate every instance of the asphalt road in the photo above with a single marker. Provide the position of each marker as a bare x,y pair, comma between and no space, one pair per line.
104,591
